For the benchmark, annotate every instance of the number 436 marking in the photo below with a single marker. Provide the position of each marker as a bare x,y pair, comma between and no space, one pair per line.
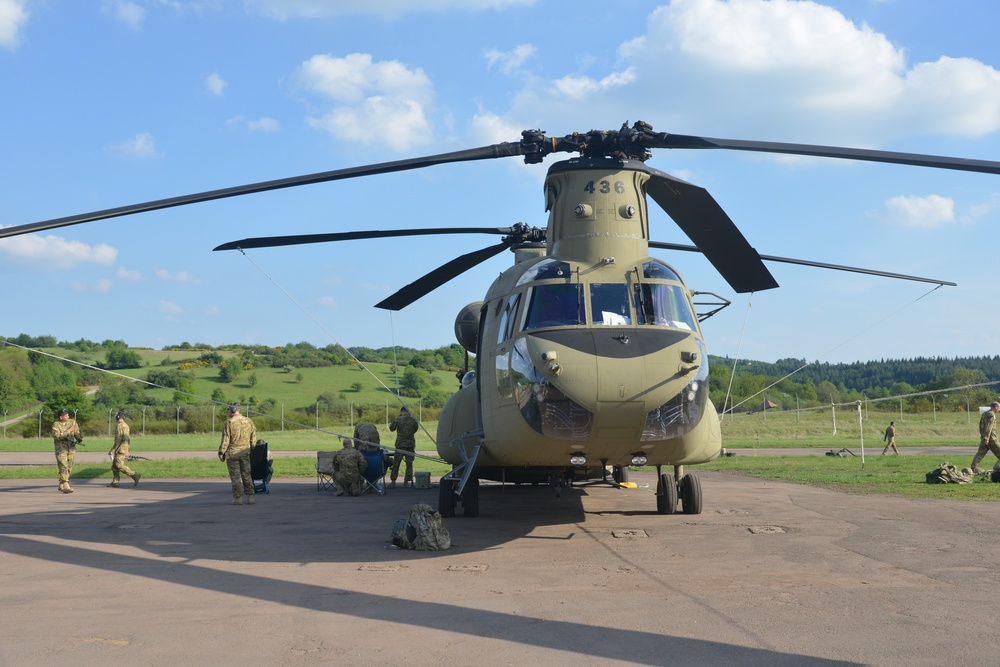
604,187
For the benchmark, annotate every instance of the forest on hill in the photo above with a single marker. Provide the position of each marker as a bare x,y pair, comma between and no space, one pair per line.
315,385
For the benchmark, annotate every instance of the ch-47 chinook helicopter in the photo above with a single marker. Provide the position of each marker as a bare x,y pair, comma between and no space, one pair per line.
588,351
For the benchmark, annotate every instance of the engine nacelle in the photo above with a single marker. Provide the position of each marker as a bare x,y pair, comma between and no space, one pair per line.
467,326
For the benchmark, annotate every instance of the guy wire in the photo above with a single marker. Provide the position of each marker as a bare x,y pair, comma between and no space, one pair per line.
840,344
334,339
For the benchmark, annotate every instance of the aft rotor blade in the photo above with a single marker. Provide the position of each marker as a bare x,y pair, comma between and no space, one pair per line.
439,276
302,239
820,265
891,157
700,217
483,153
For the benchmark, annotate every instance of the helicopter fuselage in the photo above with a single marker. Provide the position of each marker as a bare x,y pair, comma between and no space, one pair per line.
589,352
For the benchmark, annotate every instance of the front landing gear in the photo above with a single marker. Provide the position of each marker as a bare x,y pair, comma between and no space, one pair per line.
447,498
671,488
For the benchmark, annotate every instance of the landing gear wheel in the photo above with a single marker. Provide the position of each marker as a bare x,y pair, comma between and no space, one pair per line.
470,498
446,498
666,494
620,474
691,494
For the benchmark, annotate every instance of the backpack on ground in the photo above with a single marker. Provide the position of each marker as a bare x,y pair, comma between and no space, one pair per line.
422,531
949,474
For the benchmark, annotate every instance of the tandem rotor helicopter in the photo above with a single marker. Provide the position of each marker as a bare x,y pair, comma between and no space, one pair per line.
588,351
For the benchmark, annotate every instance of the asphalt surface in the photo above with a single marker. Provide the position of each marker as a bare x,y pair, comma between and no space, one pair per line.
769,574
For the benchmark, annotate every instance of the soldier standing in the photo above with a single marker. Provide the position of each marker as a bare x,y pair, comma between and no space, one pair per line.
238,435
66,434
987,437
119,452
890,439
348,464
405,427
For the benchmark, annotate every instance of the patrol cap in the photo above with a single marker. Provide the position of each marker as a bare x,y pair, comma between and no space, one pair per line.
120,415
64,411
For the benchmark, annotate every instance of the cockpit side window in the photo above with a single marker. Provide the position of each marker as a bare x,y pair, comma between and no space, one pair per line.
508,318
554,306
663,305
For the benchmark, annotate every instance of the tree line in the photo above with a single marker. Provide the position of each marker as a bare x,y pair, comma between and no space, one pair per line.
30,378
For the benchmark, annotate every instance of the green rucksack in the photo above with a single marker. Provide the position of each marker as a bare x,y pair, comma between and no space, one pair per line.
423,531
949,474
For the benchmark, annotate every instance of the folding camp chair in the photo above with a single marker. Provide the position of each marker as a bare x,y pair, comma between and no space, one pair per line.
324,471
261,467
373,478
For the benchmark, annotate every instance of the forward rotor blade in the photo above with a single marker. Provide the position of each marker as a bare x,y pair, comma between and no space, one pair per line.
439,276
483,153
700,217
820,265
891,157
302,239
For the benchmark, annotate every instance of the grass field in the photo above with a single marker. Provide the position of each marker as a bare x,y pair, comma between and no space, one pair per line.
903,476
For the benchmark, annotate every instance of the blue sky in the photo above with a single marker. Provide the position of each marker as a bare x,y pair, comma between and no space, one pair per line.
110,103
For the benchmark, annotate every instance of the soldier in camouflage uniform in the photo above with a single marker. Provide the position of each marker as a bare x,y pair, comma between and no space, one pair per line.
66,435
988,437
119,452
890,439
238,435
405,427
368,434
348,464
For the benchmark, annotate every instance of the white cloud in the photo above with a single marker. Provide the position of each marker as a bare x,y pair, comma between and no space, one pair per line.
127,274
262,124
179,277
102,286
924,212
385,94
54,252
782,69
141,145
170,309
285,9
129,14
510,61
212,311
216,84
13,16
328,302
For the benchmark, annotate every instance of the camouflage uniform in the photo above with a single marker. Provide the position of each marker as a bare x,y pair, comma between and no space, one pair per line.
368,433
988,438
238,435
348,464
405,427
120,452
66,435
890,439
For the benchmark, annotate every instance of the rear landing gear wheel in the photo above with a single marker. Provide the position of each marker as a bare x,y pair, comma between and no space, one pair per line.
620,474
446,498
666,494
470,498
691,494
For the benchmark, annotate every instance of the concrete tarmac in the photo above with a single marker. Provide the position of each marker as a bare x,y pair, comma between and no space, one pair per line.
769,573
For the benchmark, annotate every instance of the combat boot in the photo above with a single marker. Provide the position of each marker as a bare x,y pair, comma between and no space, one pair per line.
113,485
249,500
238,501
135,479
68,488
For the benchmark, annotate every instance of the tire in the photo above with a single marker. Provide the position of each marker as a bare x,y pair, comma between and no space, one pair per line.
691,494
446,498
620,474
470,498
666,494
